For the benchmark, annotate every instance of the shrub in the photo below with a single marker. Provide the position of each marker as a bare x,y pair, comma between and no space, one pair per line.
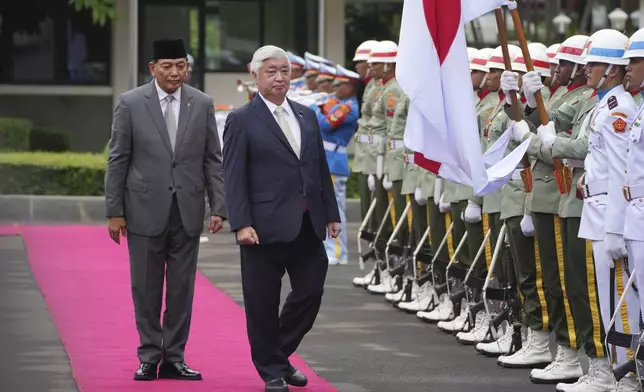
14,134
48,173
43,139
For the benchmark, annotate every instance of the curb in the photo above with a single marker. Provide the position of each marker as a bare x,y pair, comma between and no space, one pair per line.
82,209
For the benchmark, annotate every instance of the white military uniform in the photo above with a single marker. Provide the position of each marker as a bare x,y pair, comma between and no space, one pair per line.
604,202
634,196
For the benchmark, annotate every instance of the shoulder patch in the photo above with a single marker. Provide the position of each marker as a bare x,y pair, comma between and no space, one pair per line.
612,102
619,125
619,114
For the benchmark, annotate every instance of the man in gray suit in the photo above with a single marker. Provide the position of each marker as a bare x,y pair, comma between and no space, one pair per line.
164,153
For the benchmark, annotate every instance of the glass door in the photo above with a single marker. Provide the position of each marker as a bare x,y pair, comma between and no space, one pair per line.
160,19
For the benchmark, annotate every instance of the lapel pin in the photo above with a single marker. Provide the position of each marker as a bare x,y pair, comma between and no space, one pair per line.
189,104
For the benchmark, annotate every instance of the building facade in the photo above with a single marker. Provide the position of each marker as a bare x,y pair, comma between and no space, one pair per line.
65,72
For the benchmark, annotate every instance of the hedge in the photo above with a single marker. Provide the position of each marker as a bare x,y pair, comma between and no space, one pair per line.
49,173
19,134
67,174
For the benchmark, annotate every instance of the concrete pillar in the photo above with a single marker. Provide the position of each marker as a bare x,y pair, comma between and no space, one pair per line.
124,48
333,33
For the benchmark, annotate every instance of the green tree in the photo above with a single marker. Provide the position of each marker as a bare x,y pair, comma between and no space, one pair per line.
102,10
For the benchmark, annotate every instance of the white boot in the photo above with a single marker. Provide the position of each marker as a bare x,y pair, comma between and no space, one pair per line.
361,281
628,384
453,325
598,379
386,284
422,300
477,334
498,347
534,352
442,311
564,368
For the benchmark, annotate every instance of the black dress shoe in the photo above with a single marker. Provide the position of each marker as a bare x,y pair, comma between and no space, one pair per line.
276,385
146,372
296,377
178,371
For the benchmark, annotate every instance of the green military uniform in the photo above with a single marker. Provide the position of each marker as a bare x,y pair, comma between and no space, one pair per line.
371,93
452,194
555,96
378,128
395,164
492,124
572,298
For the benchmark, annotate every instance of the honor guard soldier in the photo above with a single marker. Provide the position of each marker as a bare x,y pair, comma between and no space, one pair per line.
366,181
601,143
383,63
325,78
311,71
297,72
570,313
483,214
634,179
362,68
556,89
337,127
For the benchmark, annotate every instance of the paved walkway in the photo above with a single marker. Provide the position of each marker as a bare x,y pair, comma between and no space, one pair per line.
359,343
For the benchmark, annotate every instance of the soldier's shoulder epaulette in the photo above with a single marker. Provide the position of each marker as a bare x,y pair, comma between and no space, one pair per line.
612,102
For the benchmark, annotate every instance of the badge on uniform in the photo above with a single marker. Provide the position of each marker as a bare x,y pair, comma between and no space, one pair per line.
612,102
619,114
619,125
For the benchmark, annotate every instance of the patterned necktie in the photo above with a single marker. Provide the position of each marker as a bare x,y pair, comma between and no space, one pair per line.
281,120
170,120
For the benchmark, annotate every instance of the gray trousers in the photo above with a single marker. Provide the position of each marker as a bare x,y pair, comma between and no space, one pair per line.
171,256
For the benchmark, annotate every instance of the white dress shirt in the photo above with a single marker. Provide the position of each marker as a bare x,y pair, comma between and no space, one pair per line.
290,118
176,102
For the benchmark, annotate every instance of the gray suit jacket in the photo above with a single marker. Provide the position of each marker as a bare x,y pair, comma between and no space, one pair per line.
143,172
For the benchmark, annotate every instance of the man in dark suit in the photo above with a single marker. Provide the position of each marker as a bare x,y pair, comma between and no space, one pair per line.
164,156
281,206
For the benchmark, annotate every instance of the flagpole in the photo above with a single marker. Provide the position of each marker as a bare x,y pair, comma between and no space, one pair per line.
516,109
541,107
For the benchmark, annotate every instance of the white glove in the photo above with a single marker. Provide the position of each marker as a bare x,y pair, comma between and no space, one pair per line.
418,195
443,206
509,84
386,183
531,84
371,182
438,185
380,166
547,134
526,226
472,212
615,246
519,130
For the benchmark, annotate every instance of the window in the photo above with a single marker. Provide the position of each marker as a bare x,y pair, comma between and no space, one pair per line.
236,28
378,20
297,30
232,34
53,44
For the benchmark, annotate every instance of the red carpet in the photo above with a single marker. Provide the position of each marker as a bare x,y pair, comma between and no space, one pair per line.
84,278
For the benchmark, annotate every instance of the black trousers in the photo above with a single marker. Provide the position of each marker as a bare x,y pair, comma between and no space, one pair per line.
274,336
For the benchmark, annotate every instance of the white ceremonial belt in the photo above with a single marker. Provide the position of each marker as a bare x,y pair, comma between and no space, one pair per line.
329,146
633,191
595,188
369,139
516,175
396,144
574,163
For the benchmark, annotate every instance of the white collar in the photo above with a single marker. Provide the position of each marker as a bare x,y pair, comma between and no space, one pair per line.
162,94
271,106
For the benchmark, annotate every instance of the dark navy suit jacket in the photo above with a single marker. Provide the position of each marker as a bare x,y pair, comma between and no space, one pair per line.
266,185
